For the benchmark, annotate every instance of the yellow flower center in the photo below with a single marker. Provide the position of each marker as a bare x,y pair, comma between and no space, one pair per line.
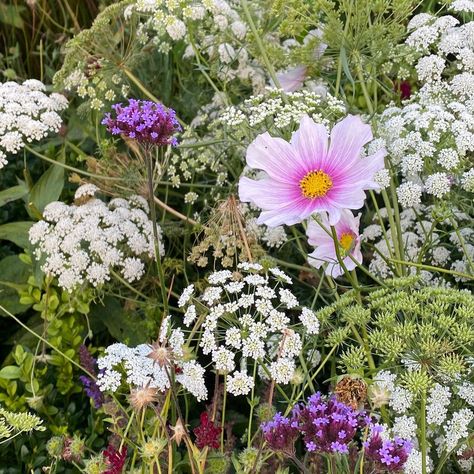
315,184
346,241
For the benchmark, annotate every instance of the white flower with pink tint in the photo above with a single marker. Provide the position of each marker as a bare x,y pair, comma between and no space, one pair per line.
347,232
308,174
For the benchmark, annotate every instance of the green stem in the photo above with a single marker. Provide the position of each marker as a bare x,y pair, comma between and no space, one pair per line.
45,341
252,402
393,227
151,196
323,363
360,76
70,168
261,47
127,428
224,401
339,62
433,269
393,193
463,244
299,465
382,225
423,431
127,285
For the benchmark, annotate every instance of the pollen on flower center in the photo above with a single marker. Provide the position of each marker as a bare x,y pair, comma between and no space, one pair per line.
346,241
315,184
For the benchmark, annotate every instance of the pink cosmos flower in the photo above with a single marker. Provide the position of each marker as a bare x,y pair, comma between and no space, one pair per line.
292,79
308,175
347,231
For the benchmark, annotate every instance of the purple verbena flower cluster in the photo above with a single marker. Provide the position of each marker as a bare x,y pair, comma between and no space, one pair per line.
90,386
144,121
280,433
328,426
390,455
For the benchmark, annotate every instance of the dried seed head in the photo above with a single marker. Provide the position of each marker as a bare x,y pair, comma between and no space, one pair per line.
379,396
179,432
142,397
351,391
161,354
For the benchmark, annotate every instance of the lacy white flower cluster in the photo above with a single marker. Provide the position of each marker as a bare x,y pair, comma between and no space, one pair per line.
448,428
246,315
430,139
85,243
277,109
448,249
273,110
142,371
27,114
212,29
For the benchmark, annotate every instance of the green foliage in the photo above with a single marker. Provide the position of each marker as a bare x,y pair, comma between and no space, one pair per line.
427,327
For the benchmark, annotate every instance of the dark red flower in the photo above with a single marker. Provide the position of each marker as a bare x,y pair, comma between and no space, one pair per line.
207,433
403,88
115,459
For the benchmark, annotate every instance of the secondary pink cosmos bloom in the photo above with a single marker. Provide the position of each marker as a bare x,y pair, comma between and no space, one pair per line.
308,174
292,79
347,232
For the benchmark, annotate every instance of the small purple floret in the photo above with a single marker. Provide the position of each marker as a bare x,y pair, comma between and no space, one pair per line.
389,454
144,121
327,426
90,386
280,433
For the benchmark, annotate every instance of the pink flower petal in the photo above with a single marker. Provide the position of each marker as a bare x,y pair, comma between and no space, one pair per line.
325,247
348,137
278,201
311,143
273,155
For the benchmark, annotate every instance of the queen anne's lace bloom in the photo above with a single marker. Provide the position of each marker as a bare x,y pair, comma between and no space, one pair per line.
83,244
142,371
433,133
245,316
27,114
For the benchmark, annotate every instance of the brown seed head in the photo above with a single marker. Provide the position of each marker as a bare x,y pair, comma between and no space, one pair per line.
140,398
352,391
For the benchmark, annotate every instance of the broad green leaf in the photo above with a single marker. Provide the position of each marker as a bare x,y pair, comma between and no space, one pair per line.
13,273
12,194
16,232
48,188
124,327
10,372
